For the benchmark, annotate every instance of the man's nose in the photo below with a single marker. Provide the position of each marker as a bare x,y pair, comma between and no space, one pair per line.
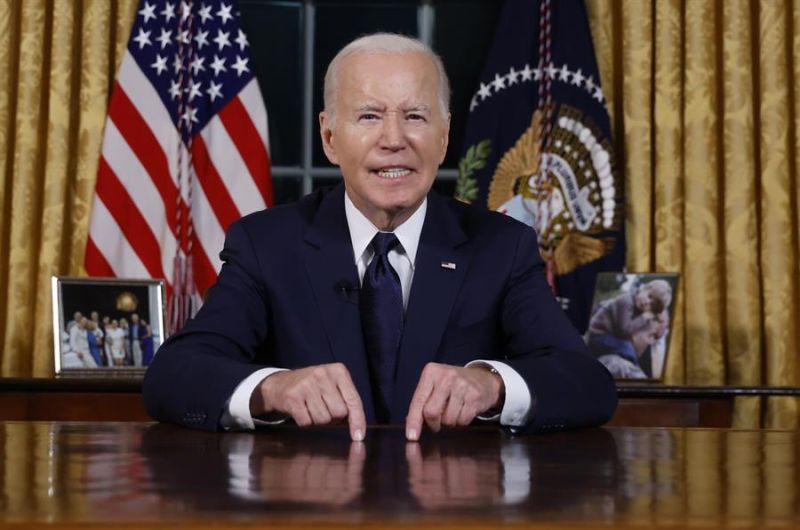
393,136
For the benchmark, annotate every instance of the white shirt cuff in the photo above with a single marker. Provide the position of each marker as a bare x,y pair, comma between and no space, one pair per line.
236,415
517,406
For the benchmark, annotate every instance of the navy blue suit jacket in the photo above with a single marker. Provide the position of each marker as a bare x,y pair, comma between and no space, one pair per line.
287,296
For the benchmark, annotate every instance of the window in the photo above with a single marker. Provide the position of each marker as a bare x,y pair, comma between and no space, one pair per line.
292,43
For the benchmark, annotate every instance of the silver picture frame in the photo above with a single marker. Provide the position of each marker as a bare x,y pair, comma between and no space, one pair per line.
630,324
106,327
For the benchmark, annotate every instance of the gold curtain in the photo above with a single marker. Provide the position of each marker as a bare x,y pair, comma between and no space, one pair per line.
703,101
59,59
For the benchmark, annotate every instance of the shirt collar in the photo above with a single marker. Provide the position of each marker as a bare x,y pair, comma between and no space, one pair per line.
362,230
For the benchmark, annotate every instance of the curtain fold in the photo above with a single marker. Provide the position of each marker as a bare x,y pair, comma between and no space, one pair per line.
668,199
777,186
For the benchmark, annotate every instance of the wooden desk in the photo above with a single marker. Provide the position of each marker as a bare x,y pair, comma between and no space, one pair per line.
640,405
71,400
140,475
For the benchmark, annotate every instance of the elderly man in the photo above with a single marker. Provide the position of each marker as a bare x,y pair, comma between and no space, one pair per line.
378,301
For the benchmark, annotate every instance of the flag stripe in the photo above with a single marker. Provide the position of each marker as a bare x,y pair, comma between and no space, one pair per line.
244,134
231,167
120,255
210,233
128,217
220,199
254,104
145,200
204,272
147,149
152,110
96,263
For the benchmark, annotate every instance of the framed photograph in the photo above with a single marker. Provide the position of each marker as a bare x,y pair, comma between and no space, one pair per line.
629,328
106,327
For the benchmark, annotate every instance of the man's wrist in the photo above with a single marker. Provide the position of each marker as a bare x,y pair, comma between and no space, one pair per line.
518,403
261,402
258,406
498,389
237,411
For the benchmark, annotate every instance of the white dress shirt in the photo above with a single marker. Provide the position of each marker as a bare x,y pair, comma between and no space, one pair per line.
517,405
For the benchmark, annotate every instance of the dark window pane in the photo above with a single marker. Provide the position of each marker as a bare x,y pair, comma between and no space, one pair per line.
462,35
275,32
323,182
337,23
286,189
446,187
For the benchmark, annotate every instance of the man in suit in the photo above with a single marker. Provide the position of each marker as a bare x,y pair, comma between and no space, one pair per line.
378,300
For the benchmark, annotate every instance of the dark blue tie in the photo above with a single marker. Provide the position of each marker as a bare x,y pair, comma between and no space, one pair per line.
381,304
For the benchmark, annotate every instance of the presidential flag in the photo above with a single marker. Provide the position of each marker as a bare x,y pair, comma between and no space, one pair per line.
540,93
185,150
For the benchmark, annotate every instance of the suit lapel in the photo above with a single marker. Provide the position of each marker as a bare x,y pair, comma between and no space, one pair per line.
441,264
328,256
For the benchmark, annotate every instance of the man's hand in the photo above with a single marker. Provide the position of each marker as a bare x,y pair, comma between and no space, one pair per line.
317,395
313,477
452,480
452,395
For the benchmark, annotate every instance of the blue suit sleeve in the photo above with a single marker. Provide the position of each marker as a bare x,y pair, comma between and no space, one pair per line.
568,386
195,372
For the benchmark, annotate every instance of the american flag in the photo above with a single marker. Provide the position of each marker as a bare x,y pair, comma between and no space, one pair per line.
185,150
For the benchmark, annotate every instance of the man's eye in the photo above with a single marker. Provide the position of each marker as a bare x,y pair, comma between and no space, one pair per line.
415,117
368,116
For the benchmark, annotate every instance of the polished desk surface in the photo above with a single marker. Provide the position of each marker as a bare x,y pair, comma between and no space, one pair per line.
145,475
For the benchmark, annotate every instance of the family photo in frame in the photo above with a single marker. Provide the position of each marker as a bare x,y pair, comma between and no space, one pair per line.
106,327
629,328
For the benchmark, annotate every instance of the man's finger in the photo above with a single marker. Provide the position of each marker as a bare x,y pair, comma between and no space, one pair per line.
317,409
355,409
455,401
453,409
414,459
300,414
435,406
467,414
332,397
418,400
335,403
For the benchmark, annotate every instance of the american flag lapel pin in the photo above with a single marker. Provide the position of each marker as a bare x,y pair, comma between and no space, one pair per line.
449,265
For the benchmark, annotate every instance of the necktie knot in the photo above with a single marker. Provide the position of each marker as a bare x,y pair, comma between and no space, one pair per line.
383,242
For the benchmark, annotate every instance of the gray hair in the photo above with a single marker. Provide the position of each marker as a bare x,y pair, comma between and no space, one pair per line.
386,43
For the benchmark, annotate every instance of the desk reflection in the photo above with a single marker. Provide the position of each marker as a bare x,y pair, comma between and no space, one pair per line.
270,471
82,473
320,469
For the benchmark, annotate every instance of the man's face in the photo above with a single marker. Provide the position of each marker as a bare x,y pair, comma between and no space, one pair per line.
387,134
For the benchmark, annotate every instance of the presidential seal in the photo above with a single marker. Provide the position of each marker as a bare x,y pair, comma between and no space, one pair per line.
573,201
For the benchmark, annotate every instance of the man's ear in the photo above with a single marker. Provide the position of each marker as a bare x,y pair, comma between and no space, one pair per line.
326,134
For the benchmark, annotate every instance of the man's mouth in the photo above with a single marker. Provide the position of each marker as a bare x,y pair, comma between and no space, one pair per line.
392,173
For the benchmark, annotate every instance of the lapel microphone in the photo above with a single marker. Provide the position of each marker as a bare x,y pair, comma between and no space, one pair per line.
345,287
